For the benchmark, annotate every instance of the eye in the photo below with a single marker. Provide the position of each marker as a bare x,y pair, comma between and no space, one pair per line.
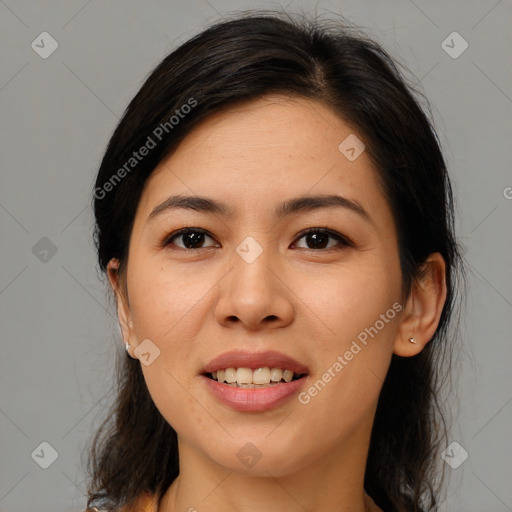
318,238
315,239
191,238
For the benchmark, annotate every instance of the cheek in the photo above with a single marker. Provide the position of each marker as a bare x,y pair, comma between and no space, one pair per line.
163,302
345,301
165,305
356,314
350,369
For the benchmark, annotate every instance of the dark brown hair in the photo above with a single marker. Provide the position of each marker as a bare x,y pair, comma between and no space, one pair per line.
242,59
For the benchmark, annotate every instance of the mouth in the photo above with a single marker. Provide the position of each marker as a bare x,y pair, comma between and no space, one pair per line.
254,382
257,378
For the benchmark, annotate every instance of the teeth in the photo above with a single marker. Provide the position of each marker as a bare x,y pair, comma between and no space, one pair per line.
230,375
248,378
244,376
276,374
287,375
261,376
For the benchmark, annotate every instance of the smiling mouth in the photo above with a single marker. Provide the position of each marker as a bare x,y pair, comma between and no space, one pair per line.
249,378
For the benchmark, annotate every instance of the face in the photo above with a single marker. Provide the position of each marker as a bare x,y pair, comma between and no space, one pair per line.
259,276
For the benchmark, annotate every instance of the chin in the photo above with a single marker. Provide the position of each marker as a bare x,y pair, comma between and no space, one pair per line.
260,456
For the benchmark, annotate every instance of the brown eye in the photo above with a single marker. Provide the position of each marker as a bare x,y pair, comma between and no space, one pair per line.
318,238
189,238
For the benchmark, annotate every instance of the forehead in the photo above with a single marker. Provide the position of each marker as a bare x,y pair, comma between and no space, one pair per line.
292,127
264,150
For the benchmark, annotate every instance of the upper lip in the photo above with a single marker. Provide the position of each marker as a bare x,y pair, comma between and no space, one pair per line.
244,359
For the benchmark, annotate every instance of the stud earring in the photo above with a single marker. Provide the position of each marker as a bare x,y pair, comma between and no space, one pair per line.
412,340
127,346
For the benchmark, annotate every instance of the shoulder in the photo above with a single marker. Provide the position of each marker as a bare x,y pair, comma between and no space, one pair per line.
146,502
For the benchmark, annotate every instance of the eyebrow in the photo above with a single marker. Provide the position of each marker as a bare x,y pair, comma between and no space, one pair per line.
288,207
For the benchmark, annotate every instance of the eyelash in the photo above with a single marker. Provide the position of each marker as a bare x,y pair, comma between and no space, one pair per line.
343,241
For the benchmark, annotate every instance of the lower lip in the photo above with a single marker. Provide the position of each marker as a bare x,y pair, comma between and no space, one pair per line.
254,399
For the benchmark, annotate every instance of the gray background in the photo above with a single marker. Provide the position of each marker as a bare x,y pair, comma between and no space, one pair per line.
58,330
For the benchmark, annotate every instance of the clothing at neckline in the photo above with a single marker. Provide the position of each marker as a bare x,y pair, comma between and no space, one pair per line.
148,502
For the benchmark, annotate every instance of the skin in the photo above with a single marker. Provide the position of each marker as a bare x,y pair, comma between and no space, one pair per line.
304,302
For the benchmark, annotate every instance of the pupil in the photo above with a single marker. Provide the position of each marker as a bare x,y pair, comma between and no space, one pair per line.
194,239
319,240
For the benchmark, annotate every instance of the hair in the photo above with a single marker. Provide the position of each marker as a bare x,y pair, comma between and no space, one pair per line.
135,450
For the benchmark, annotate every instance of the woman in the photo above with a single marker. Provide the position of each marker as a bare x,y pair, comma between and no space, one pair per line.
275,218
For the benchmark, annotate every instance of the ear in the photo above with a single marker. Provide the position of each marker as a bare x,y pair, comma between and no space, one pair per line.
123,309
423,308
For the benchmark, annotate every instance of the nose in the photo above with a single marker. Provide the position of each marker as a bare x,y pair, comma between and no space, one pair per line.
255,295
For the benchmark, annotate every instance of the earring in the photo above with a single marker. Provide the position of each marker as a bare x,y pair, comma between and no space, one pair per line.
127,346
412,340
